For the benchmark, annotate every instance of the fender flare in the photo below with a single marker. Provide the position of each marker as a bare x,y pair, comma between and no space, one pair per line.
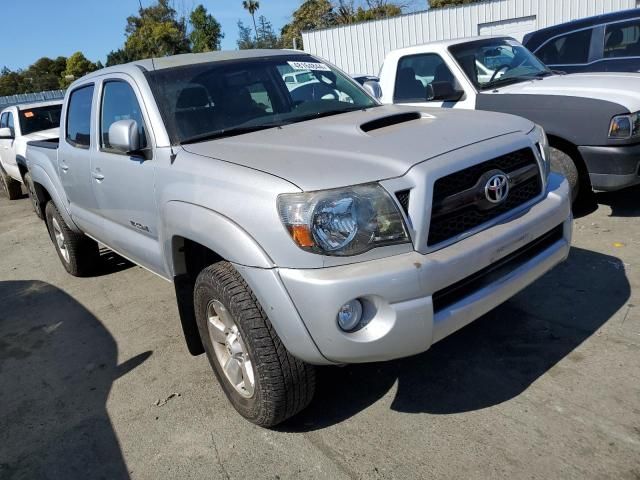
212,230
40,177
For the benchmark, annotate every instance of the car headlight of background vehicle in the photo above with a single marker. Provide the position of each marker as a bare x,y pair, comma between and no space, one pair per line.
624,127
342,222
539,137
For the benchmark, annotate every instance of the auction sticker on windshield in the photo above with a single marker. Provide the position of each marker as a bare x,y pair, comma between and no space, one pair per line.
313,66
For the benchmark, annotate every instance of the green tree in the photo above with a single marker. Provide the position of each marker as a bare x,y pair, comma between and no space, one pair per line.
157,31
311,15
266,36
252,7
118,57
44,74
11,83
77,66
206,32
245,37
450,3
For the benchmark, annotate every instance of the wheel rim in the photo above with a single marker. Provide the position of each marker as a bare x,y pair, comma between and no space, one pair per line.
230,349
61,243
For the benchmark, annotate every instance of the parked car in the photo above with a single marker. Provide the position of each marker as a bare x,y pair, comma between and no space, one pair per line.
592,120
605,43
296,234
19,125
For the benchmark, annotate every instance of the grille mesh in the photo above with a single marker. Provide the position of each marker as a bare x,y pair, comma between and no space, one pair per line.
468,218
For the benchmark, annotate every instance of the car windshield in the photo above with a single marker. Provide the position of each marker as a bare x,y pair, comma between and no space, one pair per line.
497,61
40,118
220,99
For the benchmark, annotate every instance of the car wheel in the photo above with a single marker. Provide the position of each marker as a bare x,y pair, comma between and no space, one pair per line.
261,379
12,188
562,163
79,254
33,196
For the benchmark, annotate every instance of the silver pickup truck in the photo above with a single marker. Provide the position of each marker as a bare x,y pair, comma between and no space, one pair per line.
315,229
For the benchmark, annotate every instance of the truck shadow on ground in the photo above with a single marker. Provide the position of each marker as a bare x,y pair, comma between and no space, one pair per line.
623,203
490,361
57,365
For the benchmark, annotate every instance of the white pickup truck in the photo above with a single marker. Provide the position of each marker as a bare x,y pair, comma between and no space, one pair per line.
592,119
19,125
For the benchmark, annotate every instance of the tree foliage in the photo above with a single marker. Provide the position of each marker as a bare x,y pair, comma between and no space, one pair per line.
450,3
156,31
77,66
206,33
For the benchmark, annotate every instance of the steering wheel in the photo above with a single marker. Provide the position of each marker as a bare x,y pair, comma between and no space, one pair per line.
498,70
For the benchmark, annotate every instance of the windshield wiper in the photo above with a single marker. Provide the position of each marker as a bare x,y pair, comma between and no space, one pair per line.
515,79
228,132
327,113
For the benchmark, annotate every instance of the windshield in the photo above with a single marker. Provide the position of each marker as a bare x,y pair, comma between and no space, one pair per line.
219,99
38,119
497,61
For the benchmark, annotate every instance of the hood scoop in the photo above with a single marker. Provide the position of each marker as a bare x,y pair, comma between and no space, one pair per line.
390,120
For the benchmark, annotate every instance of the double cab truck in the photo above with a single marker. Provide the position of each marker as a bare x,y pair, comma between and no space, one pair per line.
323,230
18,126
592,119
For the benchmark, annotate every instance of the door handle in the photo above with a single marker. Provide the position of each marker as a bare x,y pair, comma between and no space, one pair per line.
97,175
64,167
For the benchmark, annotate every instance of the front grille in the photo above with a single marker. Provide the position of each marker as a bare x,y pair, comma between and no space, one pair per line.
403,199
458,291
459,202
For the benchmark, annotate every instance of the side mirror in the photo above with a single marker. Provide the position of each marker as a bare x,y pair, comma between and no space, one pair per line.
443,92
6,134
124,136
373,88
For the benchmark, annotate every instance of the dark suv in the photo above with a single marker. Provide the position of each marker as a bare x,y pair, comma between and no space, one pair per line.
605,43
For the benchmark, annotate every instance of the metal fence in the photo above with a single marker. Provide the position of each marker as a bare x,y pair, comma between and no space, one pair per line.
361,47
31,98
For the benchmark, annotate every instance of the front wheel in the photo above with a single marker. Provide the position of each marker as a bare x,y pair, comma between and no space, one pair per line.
261,379
79,254
562,163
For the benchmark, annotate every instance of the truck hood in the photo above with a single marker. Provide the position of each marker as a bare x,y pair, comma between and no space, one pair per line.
620,88
347,149
43,135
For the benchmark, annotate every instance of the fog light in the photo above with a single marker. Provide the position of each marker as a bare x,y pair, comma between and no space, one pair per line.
349,315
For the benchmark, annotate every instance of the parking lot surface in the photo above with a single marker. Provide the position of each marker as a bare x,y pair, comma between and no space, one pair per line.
96,381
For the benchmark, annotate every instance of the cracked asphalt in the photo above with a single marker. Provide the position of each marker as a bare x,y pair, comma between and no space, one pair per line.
96,382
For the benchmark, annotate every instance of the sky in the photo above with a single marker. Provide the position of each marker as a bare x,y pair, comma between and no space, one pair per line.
51,28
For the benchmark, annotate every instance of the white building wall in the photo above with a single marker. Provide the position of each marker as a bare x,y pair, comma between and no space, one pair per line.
361,48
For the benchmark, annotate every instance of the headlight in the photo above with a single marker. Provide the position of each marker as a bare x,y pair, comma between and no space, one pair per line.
539,137
625,126
342,222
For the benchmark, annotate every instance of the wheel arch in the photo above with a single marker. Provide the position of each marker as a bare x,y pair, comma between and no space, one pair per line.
572,150
194,238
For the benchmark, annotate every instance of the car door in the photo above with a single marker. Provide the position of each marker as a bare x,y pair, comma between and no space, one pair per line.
74,160
124,184
621,52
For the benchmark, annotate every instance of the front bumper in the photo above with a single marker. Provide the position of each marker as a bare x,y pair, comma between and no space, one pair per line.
612,168
398,291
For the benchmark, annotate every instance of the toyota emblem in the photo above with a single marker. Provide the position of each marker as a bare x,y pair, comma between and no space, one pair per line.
497,188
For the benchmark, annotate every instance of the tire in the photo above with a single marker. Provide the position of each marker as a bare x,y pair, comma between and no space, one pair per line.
227,310
79,254
33,196
12,188
562,163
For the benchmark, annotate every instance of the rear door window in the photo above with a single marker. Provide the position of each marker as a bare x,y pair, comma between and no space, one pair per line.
79,117
3,120
570,49
10,123
622,40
